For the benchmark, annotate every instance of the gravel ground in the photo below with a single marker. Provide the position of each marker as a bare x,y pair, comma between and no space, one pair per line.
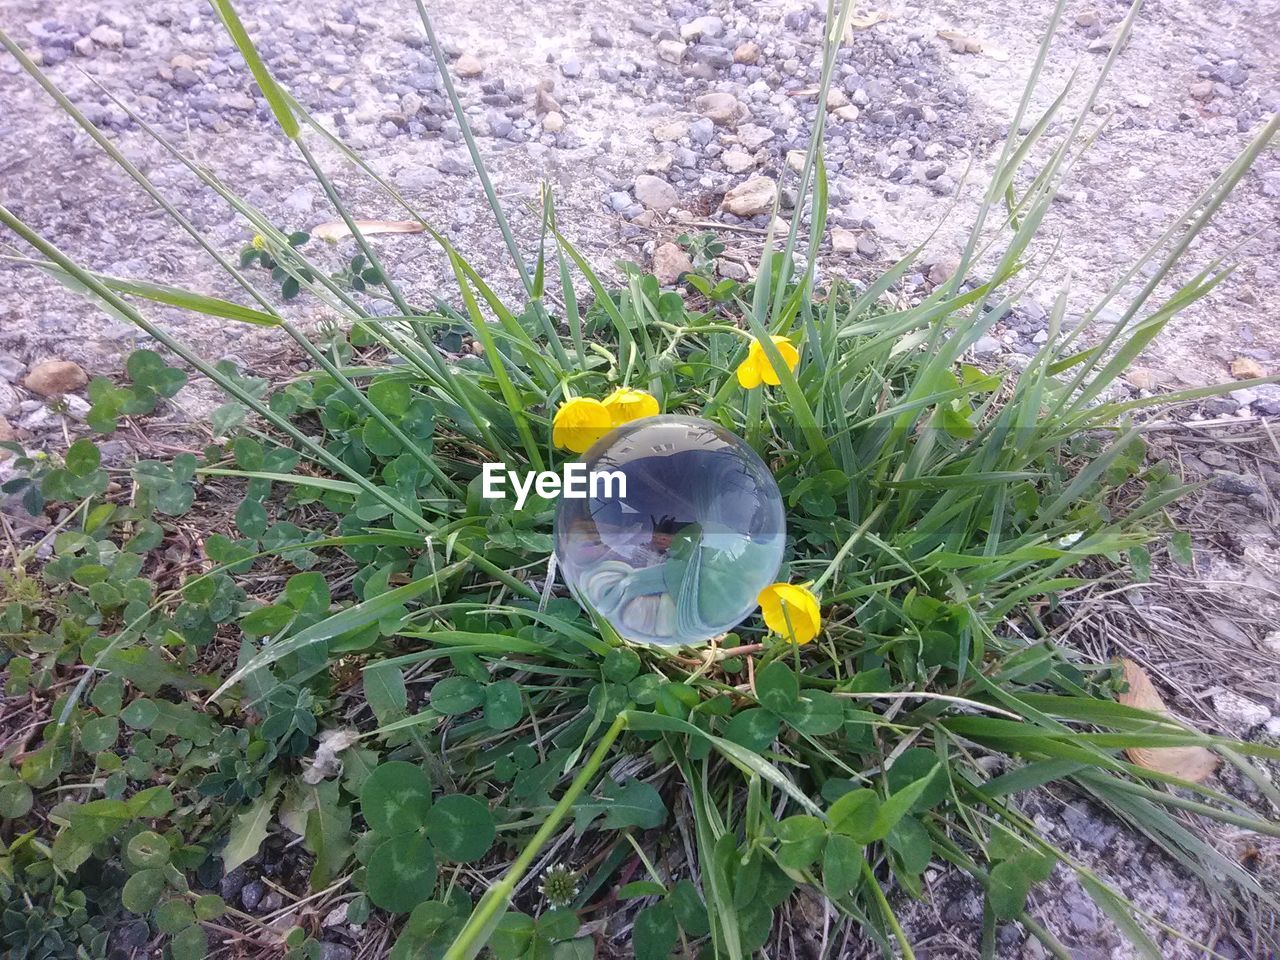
641,119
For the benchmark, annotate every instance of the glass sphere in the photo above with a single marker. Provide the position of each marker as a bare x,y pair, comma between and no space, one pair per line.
682,557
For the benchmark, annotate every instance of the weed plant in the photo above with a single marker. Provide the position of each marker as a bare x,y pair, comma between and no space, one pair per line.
374,662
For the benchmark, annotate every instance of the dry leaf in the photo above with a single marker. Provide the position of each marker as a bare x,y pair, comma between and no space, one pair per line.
335,230
326,762
959,42
1189,763
865,21
1245,368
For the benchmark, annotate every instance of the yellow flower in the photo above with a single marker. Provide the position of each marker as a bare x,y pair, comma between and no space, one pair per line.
579,423
786,603
757,369
626,404
259,242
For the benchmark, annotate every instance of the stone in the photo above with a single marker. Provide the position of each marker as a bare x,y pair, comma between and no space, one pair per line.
7,434
251,894
753,137
11,368
105,36
571,67
84,47
795,160
55,377
1240,712
751,197
669,262
237,101
600,36
867,246
553,122
1246,368
702,131
10,402
843,241
1202,89
655,193
344,31
731,270
1141,378
737,161
987,347
661,163
671,51
1139,100
747,52
1093,831
708,26
468,66
723,109
1238,484
670,131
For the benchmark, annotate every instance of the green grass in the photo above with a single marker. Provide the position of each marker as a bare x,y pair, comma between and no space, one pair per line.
939,509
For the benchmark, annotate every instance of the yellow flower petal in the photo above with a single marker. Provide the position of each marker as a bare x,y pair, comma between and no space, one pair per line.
626,404
259,242
757,369
579,423
791,611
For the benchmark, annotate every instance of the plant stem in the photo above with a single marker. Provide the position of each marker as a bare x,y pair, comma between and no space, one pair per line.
475,934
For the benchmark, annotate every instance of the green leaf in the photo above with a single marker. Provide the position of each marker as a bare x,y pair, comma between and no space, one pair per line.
1180,548
842,863
402,872
690,911
913,765
1140,563
654,934
633,804
621,664
385,691
396,798
174,916
249,828
461,827
328,833
148,849
855,814
1007,889
503,705
754,728
455,695
99,733
816,713
251,518
210,906
800,841
391,396
83,458
95,820
141,892
308,593
15,800
191,944
108,695
777,688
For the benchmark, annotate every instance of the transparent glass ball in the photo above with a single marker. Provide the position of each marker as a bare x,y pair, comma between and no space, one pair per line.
682,557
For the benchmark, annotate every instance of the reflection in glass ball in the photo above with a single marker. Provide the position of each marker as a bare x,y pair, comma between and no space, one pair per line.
699,534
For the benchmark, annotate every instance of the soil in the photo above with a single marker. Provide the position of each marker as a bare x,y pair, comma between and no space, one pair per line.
1194,84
